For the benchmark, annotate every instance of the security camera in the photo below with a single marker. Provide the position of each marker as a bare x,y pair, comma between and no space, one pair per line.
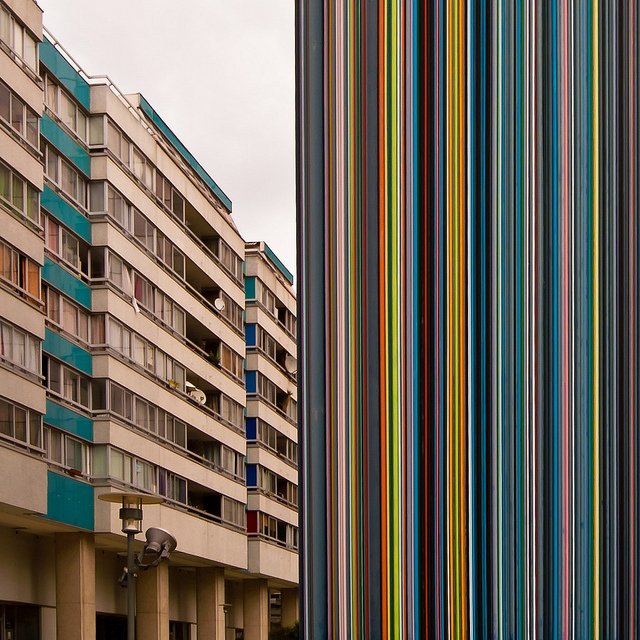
160,544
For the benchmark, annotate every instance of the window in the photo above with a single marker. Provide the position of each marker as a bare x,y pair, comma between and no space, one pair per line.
65,108
22,119
135,285
20,424
20,348
134,223
231,411
169,197
279,531
18,39
233,511
63,243
121,401
65,176
19,271
21,195
278,442
231,361
69,316
65,450
172,486
67,383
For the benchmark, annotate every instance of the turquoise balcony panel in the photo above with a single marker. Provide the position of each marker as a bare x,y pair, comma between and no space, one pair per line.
67,351
69,501
69,420
68,77
184,152
250,288
65,213
65,144
61,279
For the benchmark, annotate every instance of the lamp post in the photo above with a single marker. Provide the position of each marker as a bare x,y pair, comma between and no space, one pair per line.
131,516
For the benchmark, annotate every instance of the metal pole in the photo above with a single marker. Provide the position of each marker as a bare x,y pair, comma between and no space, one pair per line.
131,589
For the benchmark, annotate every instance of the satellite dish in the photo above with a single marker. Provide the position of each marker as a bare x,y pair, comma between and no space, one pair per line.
219,304
291,364
198,395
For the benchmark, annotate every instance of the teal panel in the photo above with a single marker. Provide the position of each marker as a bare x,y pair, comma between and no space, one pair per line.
184,152
69,501
61,279
69,420
68,215
277,263
250,288
67,351
68,77
65,144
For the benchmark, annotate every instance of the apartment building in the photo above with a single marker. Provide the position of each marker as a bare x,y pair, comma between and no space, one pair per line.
272,440
122,357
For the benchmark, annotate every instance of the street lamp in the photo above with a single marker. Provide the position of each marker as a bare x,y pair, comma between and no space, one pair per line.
131,516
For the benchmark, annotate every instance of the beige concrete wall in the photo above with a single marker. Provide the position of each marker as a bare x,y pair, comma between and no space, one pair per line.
256,610
23,239
27,572
152,603
19,312
21,160
20,83
205,539
272,560
75,586
16,467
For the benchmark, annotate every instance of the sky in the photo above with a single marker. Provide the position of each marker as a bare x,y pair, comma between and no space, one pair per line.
221,74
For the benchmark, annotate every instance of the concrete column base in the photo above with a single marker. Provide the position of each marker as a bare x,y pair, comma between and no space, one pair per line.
75,586
256,610
210,603
152,605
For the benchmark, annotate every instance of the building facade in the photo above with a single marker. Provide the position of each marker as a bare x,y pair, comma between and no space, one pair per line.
122,302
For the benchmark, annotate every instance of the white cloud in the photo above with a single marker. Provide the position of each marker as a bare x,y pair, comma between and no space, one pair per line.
221,74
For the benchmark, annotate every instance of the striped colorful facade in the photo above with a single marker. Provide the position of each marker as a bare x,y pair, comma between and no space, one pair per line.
468,180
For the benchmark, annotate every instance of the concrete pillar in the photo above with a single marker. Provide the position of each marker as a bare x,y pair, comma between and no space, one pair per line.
152,605
210,599
256,610
75,586
289,607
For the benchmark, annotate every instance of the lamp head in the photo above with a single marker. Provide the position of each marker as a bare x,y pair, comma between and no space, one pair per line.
160,544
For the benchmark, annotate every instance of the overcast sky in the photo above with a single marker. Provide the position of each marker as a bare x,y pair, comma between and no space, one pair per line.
221,75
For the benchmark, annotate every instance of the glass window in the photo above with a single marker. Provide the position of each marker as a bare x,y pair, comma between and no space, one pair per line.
32,127
6,418
17,192
5,182
74,454
96,130
5,102
17,114
30,49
